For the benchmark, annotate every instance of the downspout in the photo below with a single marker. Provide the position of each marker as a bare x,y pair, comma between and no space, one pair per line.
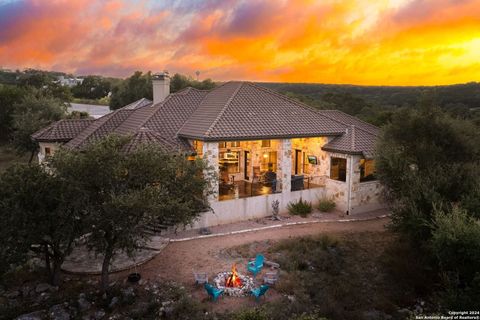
349,185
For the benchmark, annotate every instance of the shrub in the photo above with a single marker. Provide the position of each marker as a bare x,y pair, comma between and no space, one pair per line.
300,208
326,205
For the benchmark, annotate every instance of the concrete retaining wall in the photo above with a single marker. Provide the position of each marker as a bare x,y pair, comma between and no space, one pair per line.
236,210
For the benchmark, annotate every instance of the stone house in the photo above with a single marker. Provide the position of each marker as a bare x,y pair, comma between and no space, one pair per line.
262,145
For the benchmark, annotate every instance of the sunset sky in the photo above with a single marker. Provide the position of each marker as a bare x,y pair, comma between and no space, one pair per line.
388,42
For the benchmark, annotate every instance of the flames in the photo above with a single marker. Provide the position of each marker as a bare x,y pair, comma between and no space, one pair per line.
233,280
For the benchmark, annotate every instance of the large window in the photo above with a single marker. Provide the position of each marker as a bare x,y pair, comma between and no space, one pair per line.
367,170
338,169
269,161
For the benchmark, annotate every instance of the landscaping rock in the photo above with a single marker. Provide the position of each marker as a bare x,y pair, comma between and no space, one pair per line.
37,315
83,304
58,312
99,314
113,303
42,287
12,294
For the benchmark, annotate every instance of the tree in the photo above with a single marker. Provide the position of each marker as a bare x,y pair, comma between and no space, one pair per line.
39,212
179,82
9,95
427,159
133,88
34,112
125,192
92,87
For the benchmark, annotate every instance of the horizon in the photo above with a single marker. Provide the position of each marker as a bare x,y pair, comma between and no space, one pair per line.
372,43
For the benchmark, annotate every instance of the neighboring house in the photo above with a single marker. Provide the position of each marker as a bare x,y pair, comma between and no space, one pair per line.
69,82
262,145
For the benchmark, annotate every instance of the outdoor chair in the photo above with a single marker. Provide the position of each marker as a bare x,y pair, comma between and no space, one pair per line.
200,277
256,265
212,291
258,292
270,278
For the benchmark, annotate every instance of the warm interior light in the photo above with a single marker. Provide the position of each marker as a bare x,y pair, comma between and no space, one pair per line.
265,155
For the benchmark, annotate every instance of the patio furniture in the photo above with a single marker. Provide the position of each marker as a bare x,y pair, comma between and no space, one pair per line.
200,277
212,291
270,278
297,182
256,265
258,292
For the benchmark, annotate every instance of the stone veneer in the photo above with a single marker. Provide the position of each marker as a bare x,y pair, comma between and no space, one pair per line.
210,154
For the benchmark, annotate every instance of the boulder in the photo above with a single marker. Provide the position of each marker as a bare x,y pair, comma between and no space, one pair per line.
42,287
58,312
99,314
37,315
83,304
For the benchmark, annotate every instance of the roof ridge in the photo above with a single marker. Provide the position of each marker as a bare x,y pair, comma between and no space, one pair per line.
299,103
353,136
219,115
356,118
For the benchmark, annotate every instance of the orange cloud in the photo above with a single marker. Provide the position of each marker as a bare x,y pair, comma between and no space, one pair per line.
388,42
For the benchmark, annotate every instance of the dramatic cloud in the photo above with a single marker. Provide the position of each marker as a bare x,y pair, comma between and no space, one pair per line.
391,42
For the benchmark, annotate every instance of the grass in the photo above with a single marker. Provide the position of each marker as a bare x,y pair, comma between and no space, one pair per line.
300,208
344,276
8,157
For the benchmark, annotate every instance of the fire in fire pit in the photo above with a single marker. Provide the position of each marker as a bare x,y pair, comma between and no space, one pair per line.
233,283
233,280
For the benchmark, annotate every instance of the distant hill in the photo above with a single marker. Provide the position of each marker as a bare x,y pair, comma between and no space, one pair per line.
467,94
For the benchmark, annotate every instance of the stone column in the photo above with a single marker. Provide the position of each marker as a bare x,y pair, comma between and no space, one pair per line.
284,165
353,180
210,154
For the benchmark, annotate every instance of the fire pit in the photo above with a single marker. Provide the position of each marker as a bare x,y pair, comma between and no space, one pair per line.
233,283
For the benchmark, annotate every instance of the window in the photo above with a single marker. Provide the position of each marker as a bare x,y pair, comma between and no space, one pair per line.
266,143
48,151
198,147
222,144
235,144
338,169
268,161
367,170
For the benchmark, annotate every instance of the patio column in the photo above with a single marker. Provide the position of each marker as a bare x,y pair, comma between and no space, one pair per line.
210,154
284,165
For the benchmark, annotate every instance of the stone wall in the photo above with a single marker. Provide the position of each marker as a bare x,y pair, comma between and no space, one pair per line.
54,146
210,154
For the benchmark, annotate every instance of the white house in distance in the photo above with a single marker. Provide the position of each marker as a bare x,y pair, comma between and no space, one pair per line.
262,145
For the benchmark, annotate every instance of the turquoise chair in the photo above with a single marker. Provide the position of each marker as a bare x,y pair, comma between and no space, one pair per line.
258,292
257,265
212,291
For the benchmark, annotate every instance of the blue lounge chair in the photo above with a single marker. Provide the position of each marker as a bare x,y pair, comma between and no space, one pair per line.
258,292
257,265
212,291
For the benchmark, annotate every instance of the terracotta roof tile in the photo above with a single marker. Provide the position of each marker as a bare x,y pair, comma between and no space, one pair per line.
62,130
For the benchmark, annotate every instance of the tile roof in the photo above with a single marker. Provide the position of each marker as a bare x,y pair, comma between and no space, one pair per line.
233,111
62,130
243,110
144,137
356,140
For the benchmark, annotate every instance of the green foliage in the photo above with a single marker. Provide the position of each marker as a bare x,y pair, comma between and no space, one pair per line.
9,95
456,245
427,158
251,314
132,89
92,87
326,205
179,82
37,209
125,192
34,112
301,208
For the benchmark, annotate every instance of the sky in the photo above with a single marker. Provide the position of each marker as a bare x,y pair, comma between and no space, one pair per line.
383,42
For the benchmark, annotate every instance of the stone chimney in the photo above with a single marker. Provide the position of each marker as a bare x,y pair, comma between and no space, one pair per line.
161,86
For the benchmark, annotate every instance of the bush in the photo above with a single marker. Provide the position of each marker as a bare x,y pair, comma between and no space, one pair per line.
456,244
326,205
300,208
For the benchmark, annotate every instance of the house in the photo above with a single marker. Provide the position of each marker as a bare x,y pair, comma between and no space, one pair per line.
262,145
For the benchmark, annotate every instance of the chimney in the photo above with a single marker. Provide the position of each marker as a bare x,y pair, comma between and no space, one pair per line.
161,86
